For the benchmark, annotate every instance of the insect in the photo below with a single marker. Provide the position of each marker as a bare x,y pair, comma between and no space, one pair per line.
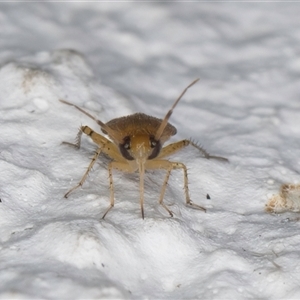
136,144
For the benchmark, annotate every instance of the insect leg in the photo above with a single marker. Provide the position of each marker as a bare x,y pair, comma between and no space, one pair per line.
108,147
163,190
77,140
111,187
204,152
97,153
174,147
169,166
124,167
178,165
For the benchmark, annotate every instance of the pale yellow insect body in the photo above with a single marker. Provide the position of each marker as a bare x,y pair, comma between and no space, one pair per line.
136,144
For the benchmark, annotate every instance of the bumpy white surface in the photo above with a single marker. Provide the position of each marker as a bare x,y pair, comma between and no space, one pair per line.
120,58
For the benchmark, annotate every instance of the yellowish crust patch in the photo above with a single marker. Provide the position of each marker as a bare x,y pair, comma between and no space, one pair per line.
288,199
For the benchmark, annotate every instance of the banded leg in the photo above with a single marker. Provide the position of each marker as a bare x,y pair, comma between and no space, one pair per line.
97,153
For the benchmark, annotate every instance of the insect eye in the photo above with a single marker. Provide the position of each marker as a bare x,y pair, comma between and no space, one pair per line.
153,143
156,145
127,145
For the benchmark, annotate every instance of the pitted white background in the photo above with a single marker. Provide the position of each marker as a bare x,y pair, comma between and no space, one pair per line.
118,58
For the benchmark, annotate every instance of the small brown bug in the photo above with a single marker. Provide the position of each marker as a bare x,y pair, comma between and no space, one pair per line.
136,144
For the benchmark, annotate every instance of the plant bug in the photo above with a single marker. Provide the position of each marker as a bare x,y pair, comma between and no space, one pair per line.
136,144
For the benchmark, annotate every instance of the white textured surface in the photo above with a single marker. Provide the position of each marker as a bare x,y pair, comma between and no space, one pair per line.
129,57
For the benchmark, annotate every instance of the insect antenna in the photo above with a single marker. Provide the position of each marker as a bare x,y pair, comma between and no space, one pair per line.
169,113
110,132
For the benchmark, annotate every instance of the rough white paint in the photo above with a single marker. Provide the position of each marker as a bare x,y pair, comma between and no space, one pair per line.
114,59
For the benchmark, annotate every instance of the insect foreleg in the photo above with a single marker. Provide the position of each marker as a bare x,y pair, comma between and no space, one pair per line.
108,147
77,140
174,147
204,152
97,153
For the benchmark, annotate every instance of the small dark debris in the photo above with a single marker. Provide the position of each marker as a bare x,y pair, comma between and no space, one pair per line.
207,196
